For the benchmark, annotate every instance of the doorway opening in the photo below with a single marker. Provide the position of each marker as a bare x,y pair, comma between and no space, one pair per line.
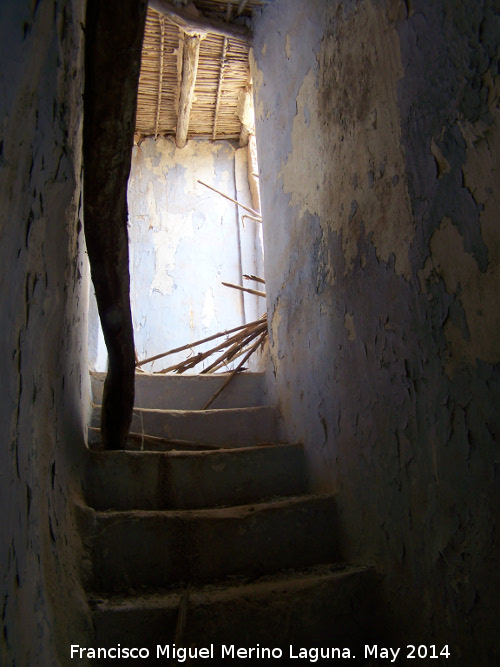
195,231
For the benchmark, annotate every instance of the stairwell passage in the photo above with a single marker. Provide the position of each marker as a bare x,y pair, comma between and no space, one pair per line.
204,543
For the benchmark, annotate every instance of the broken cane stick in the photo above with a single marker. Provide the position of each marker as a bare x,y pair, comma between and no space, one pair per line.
233,373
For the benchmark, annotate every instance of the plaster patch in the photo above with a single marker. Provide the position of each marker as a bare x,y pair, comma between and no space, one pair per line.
151,201
476,291
208,317
347,123
443,166
349,325
174,227
275,327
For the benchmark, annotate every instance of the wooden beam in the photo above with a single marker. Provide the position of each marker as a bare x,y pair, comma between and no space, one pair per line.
254,278
223,63
190,59
180,54
200,24
241,6
160,76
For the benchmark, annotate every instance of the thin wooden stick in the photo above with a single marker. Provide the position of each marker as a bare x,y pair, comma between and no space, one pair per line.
255,278
233,373
250,210
225,362
229,354
194,361
196,343
251,217
201,356
245,289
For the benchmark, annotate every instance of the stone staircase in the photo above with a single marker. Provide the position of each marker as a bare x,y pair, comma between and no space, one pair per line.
204,534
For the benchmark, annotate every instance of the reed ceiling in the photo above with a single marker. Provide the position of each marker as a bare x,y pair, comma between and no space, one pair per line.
195,71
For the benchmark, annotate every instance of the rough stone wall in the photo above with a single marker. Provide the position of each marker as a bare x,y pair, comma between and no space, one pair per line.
378,129
185,240
44,386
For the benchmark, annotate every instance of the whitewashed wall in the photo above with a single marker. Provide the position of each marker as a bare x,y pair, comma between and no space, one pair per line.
184,241
44,389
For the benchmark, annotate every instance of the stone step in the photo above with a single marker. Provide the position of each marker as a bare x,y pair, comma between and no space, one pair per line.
162,548
327,606
125,480
191,392
232,427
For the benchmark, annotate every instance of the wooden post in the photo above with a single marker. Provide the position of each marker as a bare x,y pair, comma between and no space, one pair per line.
112,64
189,70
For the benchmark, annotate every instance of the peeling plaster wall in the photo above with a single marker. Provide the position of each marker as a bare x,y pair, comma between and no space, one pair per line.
44,286
184,241
377,127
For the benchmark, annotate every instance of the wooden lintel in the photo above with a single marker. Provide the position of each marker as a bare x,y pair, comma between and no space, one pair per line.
200,25
190,59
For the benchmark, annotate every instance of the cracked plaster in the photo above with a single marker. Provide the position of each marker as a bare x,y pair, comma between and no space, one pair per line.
382,281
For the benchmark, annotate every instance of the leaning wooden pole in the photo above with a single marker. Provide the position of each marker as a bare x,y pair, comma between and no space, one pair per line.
113,43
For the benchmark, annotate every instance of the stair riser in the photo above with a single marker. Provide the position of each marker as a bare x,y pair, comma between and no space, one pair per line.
137,549
231,428
332,611
191,392
157,481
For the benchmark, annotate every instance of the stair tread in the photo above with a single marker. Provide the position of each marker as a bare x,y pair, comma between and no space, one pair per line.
188,453
216,411
229,511
193,390
236,586
238,427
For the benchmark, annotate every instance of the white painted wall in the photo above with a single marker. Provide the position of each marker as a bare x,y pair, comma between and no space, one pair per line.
43,300
184,241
